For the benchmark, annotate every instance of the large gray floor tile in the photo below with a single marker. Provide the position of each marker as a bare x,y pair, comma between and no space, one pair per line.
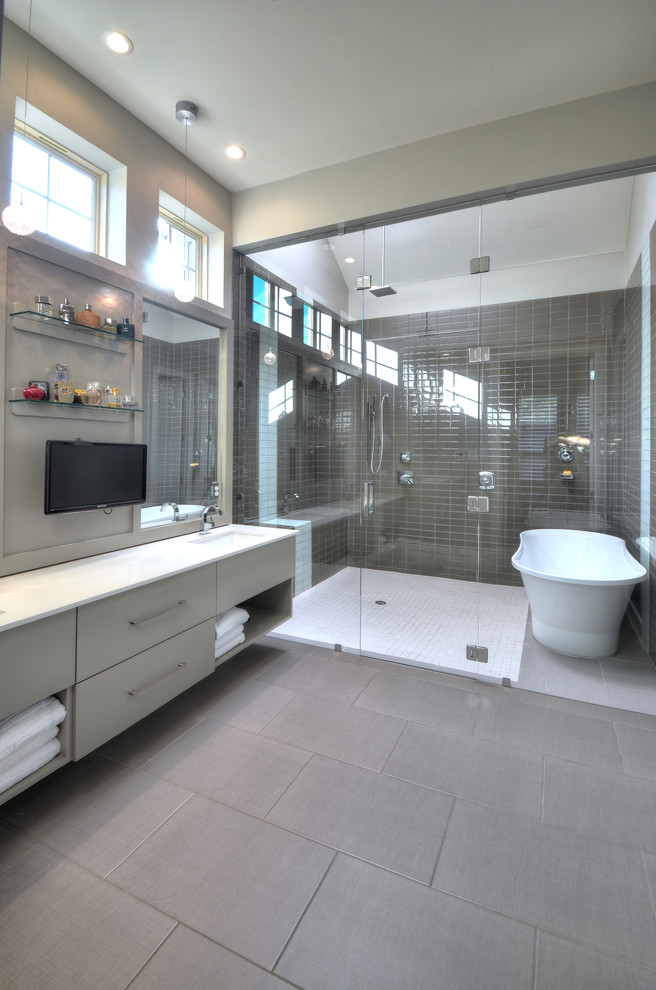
242,882
326,678
368,929
629,676
63,927
95,812
602,712
471,768
561,965
610,806
143,741
240,769
590,891
554,733
390,822
421,701
638,749
341,731
14,843
189,961
247,703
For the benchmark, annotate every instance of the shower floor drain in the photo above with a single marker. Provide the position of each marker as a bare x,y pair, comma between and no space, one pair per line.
380,602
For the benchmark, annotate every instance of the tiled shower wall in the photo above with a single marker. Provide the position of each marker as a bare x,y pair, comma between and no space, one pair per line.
547,380
544,387
180,396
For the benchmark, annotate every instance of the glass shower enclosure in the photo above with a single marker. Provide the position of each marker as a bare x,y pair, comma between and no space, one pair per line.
423,390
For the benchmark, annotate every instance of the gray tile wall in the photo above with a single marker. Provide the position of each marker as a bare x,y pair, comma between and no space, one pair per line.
180,388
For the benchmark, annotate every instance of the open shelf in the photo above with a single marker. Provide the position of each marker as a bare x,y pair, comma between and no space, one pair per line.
53,326
69,410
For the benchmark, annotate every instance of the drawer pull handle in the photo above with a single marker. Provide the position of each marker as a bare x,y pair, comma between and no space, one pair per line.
156,680
155,615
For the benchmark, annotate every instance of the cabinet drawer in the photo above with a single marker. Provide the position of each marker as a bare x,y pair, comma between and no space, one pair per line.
117,698
246,574
119,627
35,661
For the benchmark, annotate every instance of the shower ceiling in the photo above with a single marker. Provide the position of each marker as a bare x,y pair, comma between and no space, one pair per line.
555,243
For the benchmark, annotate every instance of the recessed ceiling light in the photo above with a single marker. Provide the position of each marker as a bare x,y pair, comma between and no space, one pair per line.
118,42
349,261
235,152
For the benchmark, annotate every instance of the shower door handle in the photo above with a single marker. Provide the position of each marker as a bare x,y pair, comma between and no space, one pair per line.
368,498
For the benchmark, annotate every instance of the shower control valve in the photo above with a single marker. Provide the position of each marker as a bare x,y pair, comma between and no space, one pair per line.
406,457
405,477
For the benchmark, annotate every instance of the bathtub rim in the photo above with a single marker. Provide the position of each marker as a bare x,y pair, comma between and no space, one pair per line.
639,574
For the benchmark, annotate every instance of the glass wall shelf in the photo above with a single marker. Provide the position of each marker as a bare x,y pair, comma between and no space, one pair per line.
27,319
78,405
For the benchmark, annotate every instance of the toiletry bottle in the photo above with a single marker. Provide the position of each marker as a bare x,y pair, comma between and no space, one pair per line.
67,311
88,318
109,326
62,389
125,329
92,395
43,305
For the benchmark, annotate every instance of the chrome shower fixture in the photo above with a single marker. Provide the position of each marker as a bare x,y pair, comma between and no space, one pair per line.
383,290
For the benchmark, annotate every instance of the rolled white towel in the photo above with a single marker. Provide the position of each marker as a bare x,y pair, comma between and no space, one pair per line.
17,729
23,768
27,748
228,644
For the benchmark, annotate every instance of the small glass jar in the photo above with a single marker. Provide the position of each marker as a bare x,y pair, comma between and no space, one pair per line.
92,395
128,402
43,305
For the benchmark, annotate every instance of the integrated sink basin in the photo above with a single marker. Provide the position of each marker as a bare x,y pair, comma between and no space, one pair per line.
227,536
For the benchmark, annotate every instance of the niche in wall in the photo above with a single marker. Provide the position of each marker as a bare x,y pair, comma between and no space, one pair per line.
182,400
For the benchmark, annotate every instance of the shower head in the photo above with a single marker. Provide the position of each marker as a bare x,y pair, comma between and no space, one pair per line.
383,290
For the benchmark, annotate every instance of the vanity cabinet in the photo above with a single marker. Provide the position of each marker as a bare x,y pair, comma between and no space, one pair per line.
114,660
261,581
115,699
116,628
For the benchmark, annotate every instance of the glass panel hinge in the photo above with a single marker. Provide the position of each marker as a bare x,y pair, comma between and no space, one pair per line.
476,653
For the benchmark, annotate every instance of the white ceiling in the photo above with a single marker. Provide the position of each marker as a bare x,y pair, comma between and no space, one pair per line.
306,83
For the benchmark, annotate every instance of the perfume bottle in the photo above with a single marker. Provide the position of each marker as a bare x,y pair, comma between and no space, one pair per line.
88,318
67,311
62,389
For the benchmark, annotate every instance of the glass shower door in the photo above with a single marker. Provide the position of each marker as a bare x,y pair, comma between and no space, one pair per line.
422,408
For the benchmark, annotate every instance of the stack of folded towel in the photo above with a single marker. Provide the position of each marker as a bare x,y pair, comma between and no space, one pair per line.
229,630
28,740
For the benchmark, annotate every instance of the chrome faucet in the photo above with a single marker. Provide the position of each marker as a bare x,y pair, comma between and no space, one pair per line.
285,501
208,524
176,511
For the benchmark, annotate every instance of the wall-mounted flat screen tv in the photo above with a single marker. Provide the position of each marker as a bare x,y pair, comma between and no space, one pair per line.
84,475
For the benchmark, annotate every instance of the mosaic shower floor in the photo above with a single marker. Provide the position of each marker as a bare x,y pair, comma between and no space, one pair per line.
424,621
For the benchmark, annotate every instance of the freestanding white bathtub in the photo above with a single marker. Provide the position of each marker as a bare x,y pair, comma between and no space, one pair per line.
578,585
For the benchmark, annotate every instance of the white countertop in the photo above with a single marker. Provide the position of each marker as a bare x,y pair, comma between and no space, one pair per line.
37,594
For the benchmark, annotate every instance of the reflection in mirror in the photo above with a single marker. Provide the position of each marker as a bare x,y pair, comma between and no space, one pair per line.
181,392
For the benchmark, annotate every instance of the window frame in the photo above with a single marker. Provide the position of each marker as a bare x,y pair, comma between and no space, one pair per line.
62,154
199,237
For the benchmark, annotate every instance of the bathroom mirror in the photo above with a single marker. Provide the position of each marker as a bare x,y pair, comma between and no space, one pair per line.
181,421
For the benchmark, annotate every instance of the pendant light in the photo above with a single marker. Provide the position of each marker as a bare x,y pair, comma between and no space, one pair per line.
187,113
16,216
